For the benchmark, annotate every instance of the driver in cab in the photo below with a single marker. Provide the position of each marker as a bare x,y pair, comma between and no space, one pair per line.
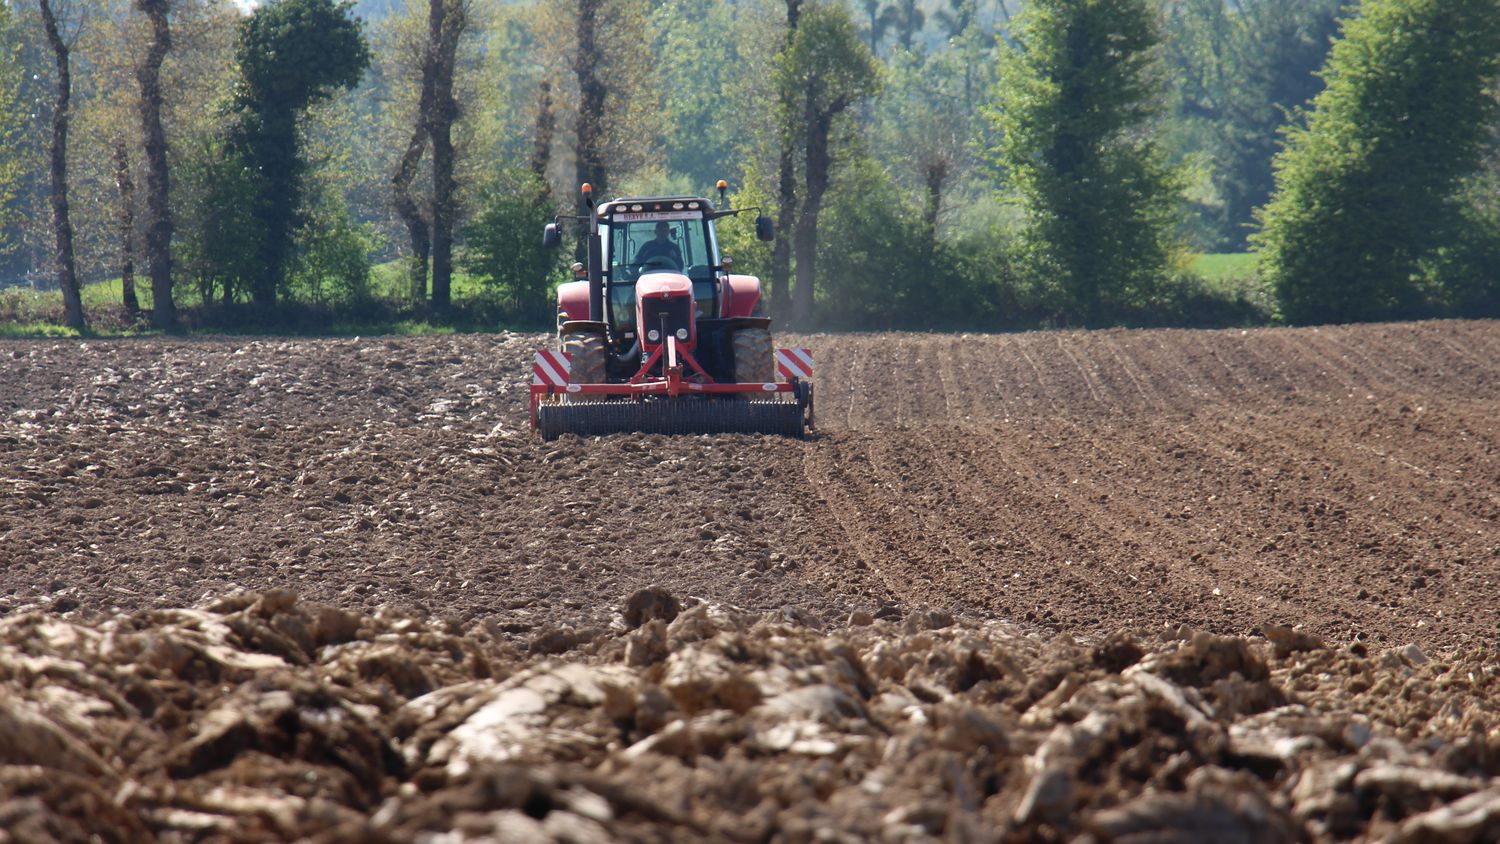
660,247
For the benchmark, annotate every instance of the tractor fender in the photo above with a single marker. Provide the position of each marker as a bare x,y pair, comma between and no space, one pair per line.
573,300
581,326
741,296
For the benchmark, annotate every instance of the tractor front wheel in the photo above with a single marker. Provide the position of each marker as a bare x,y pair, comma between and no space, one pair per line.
586,353
754,357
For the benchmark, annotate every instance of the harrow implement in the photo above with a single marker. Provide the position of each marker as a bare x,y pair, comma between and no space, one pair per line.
674,402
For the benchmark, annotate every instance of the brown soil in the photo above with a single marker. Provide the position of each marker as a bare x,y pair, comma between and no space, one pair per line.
1343,480
262,719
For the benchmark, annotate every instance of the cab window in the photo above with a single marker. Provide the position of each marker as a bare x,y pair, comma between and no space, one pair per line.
646,242
643,245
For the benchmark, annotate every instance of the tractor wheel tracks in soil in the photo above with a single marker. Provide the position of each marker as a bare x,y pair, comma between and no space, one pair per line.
1345,479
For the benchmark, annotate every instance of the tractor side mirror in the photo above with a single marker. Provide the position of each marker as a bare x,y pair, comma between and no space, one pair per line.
765,228
550,238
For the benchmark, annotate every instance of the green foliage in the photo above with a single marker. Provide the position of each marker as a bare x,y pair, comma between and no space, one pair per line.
1077,108
822,74
1241,72
1369,221
737,234
331,254
13,120
217,231
926,117
292,54
505,245
699,49
1188,300
1470,269
827,67
876,264
881,272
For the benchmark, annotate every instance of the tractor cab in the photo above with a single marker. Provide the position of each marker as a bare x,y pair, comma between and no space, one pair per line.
673,235
654,271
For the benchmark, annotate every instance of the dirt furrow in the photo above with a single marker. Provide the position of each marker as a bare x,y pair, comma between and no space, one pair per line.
959,472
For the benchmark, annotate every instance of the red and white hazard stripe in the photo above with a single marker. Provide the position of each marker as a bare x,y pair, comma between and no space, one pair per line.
551,369
795,363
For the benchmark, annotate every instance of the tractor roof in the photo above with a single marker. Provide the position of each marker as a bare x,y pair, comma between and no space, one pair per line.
653,200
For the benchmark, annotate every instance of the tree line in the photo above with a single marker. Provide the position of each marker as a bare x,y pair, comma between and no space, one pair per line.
930,163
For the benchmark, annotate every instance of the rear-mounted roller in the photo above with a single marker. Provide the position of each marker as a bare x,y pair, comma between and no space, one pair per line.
672,403
671,416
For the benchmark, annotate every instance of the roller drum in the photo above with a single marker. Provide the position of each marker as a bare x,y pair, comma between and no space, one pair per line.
668,416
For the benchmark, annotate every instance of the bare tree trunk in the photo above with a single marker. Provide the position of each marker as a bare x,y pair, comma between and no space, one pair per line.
126,185
417,227
786,189
159,222
67,269
445,113
411,214
546,127
588,161
537,302
786,218
818,164
936,175
275,156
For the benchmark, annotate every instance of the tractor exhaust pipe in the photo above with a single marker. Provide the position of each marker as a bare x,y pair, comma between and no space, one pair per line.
596,257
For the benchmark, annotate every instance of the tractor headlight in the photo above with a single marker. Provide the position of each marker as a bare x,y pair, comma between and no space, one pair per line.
682,334
653,335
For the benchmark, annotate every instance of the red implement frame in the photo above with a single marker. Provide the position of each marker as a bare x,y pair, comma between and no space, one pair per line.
671,383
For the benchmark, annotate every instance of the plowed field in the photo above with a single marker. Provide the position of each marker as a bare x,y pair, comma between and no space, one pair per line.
1093,587
1345,479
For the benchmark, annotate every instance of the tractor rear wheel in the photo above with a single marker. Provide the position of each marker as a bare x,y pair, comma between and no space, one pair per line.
586,351
754,358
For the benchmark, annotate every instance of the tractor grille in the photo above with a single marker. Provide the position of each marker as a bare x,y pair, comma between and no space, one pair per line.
678,311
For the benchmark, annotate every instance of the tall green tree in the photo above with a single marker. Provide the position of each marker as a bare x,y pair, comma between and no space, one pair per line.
1369,196
158,176
61,43
786,171
432,123
292,54
449,27
603,78
12,125
218,250
831,69
1078,107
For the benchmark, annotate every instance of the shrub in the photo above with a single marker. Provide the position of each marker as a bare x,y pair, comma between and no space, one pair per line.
504,246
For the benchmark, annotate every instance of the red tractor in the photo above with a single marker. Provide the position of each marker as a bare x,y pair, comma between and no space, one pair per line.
658,336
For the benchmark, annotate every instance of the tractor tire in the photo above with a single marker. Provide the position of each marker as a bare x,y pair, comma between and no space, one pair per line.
587,364
754,357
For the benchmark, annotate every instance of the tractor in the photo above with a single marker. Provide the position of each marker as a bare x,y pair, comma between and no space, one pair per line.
657,335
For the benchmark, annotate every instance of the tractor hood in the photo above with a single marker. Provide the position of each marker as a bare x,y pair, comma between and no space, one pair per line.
664,308
663,284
